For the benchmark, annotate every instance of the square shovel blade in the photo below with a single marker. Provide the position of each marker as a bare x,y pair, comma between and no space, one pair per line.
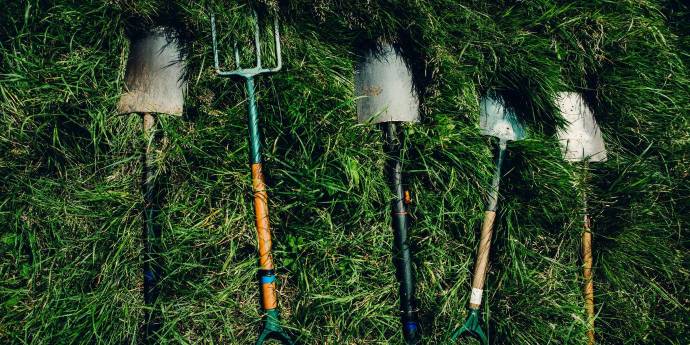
154,79
384,86
581,139
498,121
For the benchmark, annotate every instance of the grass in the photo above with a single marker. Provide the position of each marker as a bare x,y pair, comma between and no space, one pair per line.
70,173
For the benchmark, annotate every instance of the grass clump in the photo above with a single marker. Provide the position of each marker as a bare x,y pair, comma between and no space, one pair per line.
70,174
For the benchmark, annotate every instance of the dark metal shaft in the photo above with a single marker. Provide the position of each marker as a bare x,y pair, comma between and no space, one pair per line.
401,249
492,202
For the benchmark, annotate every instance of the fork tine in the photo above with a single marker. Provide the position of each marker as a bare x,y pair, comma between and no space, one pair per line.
257,42
251,71
236,50
215,43
276,35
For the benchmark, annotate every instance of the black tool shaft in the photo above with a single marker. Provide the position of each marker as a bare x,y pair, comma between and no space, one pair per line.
401,249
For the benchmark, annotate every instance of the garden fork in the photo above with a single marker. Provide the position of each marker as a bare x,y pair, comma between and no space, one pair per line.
272,326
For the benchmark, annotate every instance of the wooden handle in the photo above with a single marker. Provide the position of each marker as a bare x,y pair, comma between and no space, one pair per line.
587,275
263,229
482,263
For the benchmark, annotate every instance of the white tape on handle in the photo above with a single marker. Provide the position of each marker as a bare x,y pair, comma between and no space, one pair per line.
476,297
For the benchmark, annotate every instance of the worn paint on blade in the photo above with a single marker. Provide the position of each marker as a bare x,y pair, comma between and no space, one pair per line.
384,86
581,139
498,121
154,80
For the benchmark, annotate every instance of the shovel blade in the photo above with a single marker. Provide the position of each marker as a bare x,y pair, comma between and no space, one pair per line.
498,121
383,85
581,138
154,79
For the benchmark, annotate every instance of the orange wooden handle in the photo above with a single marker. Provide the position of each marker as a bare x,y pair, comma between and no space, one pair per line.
263,230
587,275
482,263
269,299
263,226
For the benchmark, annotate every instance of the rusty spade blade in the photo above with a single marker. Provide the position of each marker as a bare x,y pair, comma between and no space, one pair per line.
154,79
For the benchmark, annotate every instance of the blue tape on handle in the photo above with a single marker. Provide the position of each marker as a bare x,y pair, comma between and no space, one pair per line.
410,326
268,279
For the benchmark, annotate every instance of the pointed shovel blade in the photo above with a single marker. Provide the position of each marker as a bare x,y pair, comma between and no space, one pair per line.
581,139
498,121
154,79
384,86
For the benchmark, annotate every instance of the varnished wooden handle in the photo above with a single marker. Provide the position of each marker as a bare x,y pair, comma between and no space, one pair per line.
263,229
482,263
587,275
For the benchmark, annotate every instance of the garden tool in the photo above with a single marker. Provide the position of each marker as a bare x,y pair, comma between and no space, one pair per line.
581,141
154,84
496,121
272,327
384,83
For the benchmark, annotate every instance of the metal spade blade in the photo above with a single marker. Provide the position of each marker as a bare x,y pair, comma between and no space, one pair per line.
385,83
581,139
497,121
154,80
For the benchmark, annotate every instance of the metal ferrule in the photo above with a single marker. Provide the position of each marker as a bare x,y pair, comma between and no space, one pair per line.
492,202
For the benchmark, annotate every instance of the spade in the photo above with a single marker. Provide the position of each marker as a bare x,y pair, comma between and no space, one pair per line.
383,83
581,141
154,84
496,121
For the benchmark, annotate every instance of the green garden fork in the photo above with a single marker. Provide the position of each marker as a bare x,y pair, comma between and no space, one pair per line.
499,122
267,279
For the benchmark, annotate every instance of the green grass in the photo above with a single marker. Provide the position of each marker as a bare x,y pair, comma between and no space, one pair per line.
70,173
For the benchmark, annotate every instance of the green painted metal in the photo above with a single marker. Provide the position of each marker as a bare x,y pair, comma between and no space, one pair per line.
272,328
254,140
492,202
472,326
258,68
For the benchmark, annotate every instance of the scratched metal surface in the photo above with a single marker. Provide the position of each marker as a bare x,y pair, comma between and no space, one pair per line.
154,79
498,121
581,139
384,86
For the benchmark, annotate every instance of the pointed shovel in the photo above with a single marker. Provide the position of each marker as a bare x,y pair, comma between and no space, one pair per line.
384,84
496,121
581,141
154,84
